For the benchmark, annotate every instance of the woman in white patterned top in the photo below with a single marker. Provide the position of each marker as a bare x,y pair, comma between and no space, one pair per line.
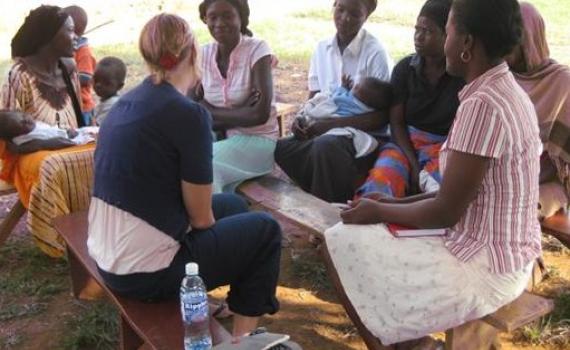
406,288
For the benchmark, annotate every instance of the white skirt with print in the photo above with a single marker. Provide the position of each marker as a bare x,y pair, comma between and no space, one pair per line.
406,288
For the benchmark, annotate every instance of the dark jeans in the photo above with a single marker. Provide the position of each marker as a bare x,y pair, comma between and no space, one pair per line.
324,166
242,249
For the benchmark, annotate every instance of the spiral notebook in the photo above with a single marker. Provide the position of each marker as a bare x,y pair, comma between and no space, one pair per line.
406,231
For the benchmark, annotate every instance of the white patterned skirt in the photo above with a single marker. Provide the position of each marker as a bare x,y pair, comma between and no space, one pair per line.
406,288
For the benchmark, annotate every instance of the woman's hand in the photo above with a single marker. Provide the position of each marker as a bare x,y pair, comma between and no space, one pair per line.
415,179
304,129
298,128
362,212
347,82
317,127
253,98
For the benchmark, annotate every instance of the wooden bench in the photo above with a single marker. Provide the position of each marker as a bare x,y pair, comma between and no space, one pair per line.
14,215
315,215
284,110
558,226
143,325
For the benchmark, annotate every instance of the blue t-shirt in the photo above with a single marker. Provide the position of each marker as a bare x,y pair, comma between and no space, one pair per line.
153,138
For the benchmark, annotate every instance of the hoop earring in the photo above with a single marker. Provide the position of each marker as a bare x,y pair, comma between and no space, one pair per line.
466,56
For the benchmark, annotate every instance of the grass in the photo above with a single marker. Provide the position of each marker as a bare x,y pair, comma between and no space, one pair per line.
32,273
553,330
96,327
12,341
14,311
31,281
310,269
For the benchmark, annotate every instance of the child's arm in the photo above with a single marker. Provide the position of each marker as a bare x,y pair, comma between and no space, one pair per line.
85,65
40,145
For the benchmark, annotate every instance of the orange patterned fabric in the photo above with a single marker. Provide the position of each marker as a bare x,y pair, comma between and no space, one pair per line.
65,182
391,172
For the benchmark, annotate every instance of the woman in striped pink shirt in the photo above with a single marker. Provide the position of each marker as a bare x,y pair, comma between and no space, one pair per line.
406,288
237,89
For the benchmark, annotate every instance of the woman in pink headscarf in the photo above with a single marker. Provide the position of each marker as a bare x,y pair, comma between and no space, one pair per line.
547,83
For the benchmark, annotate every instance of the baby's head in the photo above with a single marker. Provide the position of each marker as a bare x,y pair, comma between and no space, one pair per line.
374,93
14,123
79,18
109,77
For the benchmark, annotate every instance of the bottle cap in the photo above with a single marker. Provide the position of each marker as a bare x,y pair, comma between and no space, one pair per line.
191,269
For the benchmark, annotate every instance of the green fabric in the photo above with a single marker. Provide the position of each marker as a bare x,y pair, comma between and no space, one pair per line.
240,158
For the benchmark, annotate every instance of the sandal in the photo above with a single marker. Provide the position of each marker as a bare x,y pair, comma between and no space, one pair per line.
221,310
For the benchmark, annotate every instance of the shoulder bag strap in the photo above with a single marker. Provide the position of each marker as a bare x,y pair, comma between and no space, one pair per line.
72,94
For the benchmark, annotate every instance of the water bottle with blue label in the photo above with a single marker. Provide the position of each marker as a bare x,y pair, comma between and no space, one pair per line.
194,308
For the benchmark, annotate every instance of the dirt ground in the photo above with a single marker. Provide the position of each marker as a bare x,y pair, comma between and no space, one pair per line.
310,310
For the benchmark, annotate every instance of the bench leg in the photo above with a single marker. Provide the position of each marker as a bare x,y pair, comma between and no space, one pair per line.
473,335
11,220
129,338
84,286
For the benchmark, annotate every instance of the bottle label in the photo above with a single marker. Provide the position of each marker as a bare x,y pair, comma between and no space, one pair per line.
194,311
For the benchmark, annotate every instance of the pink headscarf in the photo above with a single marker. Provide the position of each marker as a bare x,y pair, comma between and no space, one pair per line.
547,83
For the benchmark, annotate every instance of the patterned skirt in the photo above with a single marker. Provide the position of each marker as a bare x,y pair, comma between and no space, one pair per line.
391,172
64,186
406,288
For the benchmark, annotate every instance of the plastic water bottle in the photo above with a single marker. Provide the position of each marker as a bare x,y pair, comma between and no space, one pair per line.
194,308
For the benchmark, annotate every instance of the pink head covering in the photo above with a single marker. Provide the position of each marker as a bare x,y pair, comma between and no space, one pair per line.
546,82
534,45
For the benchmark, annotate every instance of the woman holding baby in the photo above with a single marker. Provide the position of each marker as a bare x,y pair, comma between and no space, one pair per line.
43,84
323,164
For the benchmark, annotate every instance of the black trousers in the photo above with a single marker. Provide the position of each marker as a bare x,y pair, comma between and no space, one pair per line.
324,166
242,249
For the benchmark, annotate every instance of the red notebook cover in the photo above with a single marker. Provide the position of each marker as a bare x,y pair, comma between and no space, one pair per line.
406,231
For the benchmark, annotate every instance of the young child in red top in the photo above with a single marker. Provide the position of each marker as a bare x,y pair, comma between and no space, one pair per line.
85,62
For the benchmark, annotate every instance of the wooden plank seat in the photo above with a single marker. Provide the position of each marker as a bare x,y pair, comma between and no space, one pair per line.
284,110
558,225
143,325
291,202
315,215
14,215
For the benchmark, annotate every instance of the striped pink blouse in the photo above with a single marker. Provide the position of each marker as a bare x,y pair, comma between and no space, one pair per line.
496,119
236,87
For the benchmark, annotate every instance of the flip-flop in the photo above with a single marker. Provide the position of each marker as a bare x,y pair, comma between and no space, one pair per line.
221,311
